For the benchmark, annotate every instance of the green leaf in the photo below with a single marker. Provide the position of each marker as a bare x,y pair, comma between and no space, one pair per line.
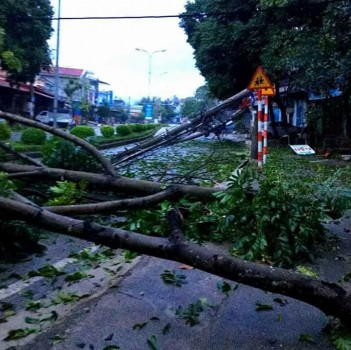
263,307
166,328
57,339
48,271
52,317
31,320
170,277
154,318
224,287
192,313
139,325
66,298
306,271
129,255
152,343
111,347
76,276
280,301
8,310
32,305
20,333
306,338
109,337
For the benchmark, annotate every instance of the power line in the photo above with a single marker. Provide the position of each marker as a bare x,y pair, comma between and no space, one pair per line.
195,15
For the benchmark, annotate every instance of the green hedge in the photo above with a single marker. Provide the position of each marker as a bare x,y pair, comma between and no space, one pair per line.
138,127
5,131
124,129
83,131
33,136
107,131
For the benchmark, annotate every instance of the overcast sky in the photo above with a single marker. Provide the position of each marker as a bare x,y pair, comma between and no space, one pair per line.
108,47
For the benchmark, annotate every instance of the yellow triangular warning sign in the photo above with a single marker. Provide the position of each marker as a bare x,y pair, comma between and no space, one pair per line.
260,80
268,92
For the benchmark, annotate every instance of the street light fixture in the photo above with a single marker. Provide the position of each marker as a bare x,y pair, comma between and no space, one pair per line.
150,54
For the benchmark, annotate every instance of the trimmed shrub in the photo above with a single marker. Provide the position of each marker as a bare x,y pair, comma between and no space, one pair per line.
124,129
83,131
107,131
138,127
5,131
33,136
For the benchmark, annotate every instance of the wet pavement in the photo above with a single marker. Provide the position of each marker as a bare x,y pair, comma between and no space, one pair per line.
136,310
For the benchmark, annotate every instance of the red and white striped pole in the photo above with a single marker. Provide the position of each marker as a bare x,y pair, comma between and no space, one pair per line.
265,130
259,129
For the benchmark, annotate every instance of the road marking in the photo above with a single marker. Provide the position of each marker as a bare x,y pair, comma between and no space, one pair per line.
20,285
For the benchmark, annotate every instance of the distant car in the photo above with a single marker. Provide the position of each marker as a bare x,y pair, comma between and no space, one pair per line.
63,117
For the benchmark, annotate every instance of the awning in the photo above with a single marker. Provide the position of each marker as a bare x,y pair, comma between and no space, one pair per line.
43,94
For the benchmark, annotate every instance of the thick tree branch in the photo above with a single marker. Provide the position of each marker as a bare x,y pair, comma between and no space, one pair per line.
113,206
174,218
20,155
76,140
331,298
120,184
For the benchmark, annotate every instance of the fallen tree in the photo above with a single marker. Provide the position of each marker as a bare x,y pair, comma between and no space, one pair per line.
175,134
331,298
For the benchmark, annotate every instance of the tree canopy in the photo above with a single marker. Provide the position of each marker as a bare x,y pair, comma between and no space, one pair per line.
27,27
202,100
306,43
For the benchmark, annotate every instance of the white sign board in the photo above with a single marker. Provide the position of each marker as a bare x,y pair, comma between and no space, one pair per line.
302,149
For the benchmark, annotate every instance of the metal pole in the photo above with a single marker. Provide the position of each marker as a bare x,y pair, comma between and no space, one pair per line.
150,69
259,128
265,130
57,80
150,54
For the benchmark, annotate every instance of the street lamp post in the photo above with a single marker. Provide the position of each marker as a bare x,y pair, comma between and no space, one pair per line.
150,54
57,78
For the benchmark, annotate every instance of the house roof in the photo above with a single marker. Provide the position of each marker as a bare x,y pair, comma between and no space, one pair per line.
72,72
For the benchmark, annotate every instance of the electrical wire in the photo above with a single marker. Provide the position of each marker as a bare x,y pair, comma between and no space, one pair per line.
195,15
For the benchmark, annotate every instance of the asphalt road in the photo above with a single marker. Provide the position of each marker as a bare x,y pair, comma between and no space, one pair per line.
142,308
136,310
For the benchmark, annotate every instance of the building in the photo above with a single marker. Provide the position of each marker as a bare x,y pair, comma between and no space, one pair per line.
23,98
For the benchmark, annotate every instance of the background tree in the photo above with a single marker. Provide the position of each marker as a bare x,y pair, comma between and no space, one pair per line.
201,101
104,112
7,57
190,107
301,44
26,37
71,87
